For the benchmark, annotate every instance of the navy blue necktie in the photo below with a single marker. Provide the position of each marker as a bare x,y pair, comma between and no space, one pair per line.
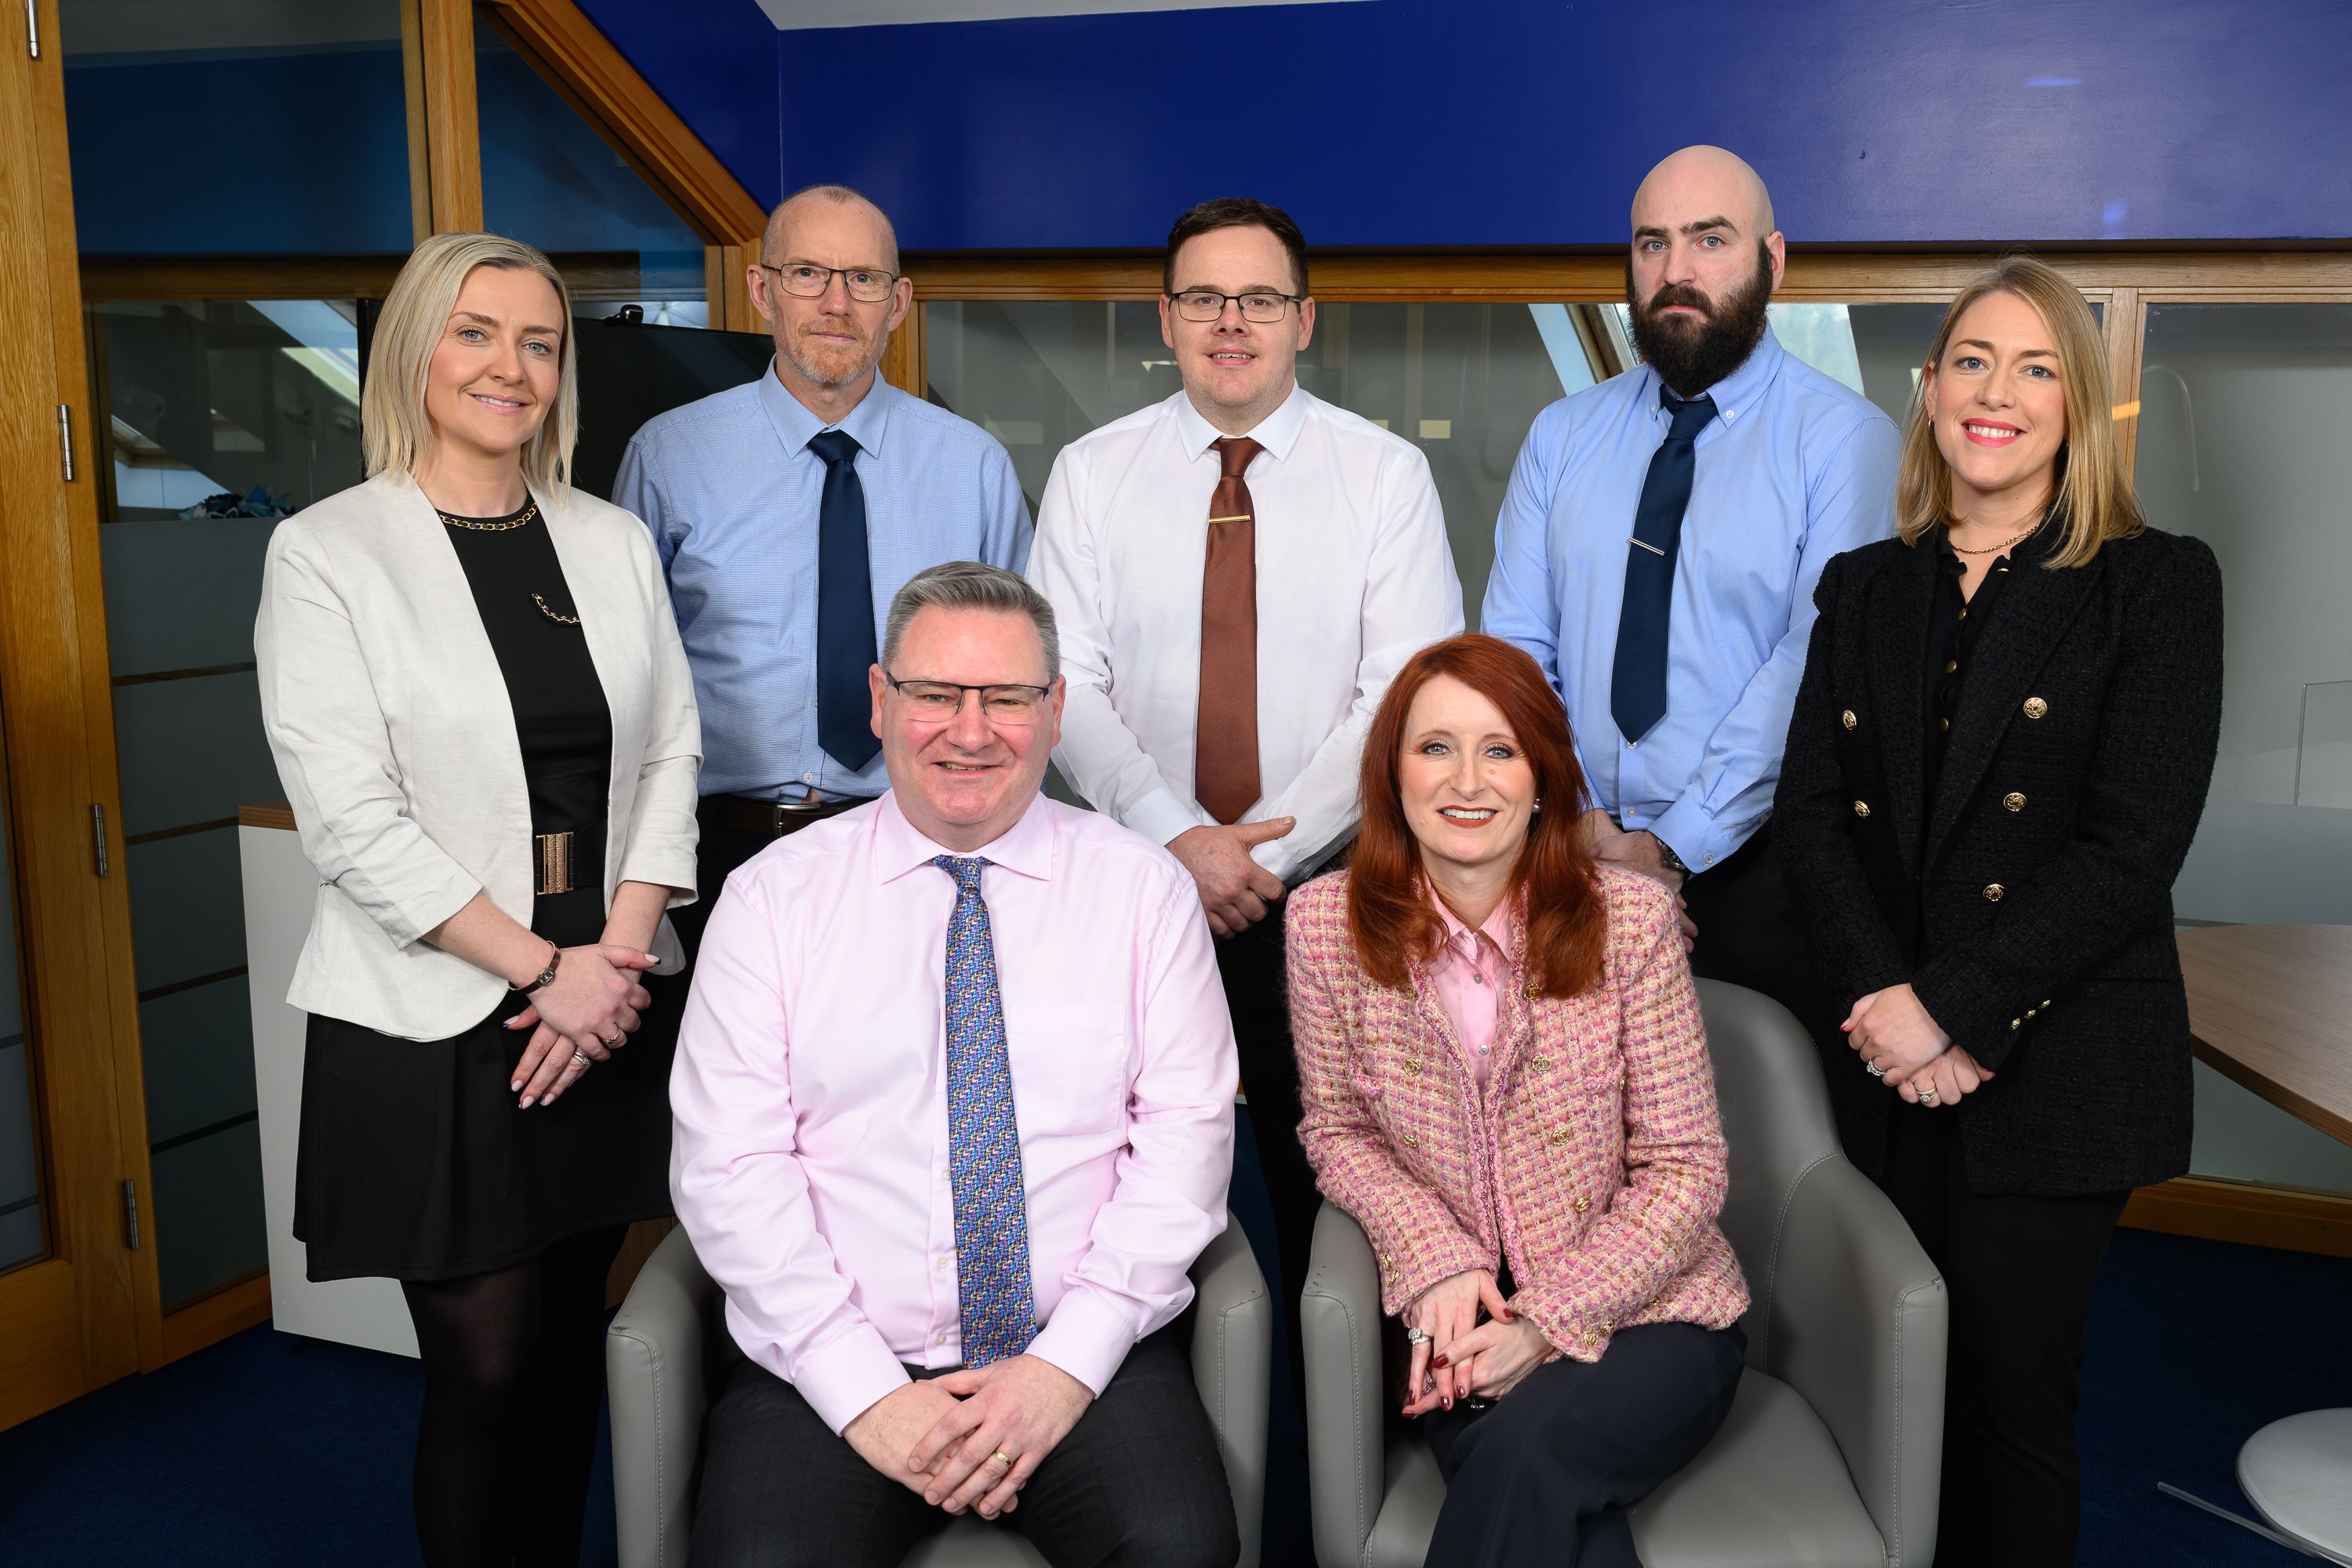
844,607
1637,686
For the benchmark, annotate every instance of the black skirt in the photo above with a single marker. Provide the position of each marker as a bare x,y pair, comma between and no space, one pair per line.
415,1162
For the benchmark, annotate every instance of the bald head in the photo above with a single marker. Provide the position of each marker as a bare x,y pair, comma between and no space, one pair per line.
844,217
1699,183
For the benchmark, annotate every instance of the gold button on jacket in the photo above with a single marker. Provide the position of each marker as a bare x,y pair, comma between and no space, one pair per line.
1848,719
1994,891
2014,801
1862,809
2035,707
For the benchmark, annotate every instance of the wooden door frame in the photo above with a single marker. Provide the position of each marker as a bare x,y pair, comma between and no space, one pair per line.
82,1002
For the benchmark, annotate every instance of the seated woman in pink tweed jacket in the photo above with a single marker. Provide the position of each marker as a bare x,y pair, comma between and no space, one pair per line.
1507,1084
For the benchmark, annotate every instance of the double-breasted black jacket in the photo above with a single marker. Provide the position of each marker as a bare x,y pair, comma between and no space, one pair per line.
2029,903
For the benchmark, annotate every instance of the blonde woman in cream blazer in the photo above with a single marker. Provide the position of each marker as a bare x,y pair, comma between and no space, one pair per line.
474,689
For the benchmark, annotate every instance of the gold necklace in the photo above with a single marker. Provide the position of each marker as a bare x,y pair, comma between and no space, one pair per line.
1994,549
549,612
476,525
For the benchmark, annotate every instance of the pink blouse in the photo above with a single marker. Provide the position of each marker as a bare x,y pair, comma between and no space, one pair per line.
1469,973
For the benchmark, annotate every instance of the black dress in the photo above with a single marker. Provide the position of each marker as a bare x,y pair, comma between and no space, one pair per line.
415,1162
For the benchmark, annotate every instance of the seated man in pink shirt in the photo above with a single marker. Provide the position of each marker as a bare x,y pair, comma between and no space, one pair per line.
954,1116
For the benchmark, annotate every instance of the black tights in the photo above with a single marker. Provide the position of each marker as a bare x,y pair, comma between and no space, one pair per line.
514,1372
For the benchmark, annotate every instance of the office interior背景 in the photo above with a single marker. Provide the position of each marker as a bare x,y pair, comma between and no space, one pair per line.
205,205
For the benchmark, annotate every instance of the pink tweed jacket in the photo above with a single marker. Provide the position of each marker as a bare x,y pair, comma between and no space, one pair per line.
1592,1160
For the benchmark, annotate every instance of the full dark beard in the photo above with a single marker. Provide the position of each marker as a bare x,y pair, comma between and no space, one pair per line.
1691,358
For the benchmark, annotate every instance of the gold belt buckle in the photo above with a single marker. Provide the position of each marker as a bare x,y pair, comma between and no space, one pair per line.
554,863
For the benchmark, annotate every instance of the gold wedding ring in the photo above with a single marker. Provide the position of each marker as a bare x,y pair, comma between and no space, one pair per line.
1001,1458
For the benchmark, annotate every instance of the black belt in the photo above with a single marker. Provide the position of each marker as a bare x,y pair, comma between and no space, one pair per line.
768,818
564,862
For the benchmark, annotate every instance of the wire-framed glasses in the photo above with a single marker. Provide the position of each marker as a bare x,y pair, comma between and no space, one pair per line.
868,285
1207,305
940,701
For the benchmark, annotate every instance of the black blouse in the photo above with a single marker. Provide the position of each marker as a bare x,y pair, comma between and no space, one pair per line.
1955,624
562,720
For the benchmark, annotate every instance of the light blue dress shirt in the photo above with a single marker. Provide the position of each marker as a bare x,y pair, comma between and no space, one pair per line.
730,490
1794,468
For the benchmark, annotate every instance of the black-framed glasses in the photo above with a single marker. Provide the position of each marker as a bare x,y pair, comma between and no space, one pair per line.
943,700
1207,305
867,284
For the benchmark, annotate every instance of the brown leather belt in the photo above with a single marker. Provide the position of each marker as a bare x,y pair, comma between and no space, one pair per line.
768,818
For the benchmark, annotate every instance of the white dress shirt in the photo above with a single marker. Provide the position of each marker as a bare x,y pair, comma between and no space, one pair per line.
1354,575
810,1162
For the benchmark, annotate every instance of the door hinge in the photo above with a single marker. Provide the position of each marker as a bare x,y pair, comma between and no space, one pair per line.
130,1216
33,28
98,835
65,439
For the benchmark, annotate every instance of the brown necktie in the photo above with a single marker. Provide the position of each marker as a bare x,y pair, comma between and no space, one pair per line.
1225,750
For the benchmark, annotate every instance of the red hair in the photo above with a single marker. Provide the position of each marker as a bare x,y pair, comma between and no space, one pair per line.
1389,910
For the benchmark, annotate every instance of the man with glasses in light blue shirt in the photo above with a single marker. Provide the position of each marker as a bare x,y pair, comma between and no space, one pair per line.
789,512
1657,551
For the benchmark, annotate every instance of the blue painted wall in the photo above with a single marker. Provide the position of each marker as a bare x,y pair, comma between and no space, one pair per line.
288,154
1470,123
715,63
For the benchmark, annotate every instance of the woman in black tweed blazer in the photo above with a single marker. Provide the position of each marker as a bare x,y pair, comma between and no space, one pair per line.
1999,751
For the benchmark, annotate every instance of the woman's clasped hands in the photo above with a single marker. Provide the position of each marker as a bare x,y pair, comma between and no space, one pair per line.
1894,1036
583,1015
1462,1358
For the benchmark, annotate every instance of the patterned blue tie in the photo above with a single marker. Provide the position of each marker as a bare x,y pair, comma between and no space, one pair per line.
991,1216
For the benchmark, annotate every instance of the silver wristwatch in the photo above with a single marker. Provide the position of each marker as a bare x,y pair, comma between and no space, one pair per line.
1666,853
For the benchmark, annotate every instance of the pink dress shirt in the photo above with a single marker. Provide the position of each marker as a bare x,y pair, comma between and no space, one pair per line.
1467,974
810,1162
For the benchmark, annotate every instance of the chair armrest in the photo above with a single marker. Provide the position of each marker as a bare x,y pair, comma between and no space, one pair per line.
654,1373
1339,1321
1233,1366
1858,1328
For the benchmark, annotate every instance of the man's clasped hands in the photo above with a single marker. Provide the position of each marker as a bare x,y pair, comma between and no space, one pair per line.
971,1438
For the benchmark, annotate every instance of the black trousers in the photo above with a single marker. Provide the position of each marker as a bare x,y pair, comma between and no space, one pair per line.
1251,964
2020,1271
1548,1473
1137,1483
1749,933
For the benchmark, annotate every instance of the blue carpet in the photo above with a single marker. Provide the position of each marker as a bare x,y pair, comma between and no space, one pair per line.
267,1449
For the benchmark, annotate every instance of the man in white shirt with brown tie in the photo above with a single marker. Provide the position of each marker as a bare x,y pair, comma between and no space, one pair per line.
1238,571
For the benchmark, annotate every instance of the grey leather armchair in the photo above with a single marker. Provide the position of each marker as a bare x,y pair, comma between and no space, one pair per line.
655,1361
1831,1453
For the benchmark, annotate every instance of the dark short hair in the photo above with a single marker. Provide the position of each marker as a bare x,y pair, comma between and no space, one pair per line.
1235,212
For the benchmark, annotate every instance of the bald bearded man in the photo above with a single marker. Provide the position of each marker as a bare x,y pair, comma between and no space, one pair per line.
1658,551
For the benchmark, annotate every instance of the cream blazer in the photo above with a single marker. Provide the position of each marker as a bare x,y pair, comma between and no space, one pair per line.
396,742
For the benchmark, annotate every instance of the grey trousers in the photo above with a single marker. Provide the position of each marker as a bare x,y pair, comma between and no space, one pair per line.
1137,1483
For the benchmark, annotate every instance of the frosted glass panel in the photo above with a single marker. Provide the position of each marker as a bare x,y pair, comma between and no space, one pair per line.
223,416
2241,443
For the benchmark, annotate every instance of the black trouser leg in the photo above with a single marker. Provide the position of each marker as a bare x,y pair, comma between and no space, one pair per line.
2020,1271
1251,967
1548,1472
1136,1484
1749,933
513,1371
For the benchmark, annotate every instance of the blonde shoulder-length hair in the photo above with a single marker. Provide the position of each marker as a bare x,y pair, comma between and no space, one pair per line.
395,431
2095,492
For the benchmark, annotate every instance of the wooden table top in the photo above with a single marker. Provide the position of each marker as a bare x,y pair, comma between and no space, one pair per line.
2271,1009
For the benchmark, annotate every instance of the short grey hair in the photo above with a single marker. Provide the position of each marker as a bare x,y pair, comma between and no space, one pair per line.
971,586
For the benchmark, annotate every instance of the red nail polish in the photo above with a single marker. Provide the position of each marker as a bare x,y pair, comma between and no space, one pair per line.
1439,1361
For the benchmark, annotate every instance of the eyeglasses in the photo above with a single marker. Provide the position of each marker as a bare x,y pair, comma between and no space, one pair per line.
868,285
1207,305
939,701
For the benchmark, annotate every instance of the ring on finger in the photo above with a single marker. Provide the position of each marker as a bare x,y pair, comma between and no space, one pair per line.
1872,1068
613,1039
1927,1097
1416,1336
583,1057
1001,1458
